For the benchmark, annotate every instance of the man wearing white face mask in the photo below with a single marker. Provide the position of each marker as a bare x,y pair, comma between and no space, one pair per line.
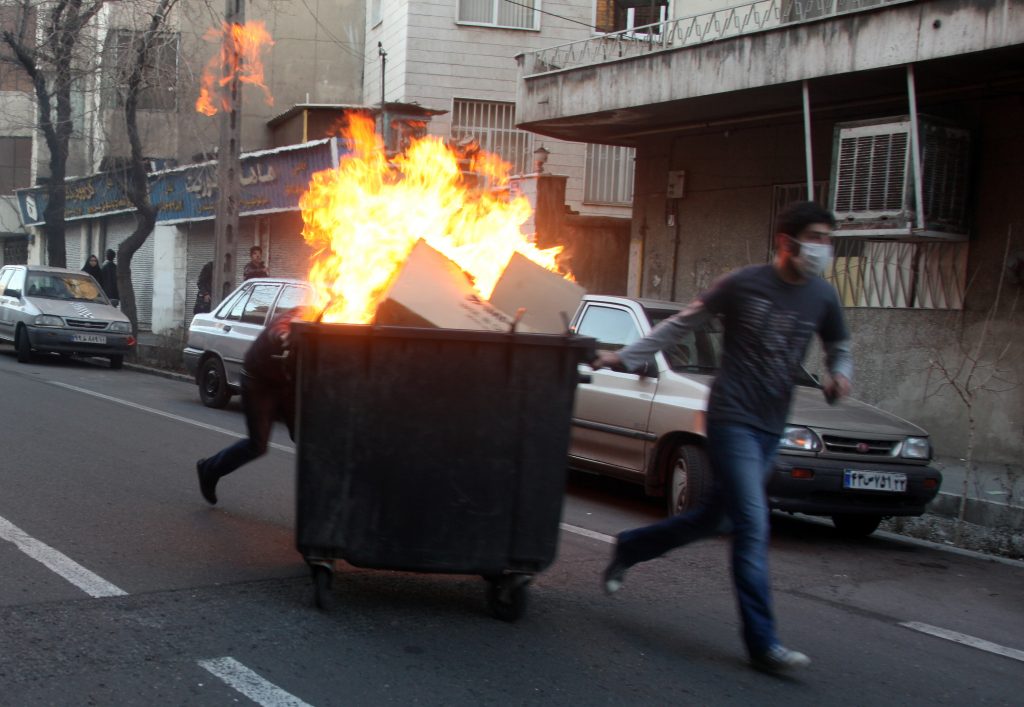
769,312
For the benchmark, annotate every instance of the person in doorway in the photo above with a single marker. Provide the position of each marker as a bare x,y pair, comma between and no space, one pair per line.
204,286
255,267
92,266
268,393
769,313
108,278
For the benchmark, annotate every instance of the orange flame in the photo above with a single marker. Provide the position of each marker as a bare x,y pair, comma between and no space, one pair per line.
241,46
365,216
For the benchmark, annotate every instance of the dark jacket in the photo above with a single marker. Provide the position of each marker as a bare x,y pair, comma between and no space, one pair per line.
205,287
265,361
255,270
108,279
95,270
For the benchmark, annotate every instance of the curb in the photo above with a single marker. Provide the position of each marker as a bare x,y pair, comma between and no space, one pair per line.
989,514
163,373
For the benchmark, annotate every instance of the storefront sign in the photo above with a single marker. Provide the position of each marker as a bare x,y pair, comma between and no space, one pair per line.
272,181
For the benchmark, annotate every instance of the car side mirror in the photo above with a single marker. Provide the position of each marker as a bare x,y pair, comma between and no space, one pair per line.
12,293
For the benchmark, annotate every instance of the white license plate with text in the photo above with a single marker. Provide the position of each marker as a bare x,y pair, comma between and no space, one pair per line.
888,481
88,339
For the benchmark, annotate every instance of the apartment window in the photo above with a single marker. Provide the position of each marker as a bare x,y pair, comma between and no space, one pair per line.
376,12
622,15
14,20
159,76
492,125
517,14
609,175
888,273
15,163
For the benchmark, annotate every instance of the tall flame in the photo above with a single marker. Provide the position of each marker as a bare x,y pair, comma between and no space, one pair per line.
365,216
241,47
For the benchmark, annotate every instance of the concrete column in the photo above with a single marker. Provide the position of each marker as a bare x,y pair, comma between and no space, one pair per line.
169,272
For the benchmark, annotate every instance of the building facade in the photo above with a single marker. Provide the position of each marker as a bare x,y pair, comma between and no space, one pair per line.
901,116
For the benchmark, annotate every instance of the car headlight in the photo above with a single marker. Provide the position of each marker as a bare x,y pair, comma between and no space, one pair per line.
48,320
916,448
122,327
800,438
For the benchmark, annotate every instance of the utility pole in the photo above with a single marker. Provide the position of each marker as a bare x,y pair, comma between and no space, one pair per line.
229,186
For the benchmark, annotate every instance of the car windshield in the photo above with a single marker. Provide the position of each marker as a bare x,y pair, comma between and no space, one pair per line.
64,286
700,351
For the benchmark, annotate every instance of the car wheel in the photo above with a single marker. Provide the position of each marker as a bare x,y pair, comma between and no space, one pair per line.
213,384
856,526
116,361
23,347
688,474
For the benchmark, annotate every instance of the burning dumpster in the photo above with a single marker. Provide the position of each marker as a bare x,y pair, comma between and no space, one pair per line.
433,450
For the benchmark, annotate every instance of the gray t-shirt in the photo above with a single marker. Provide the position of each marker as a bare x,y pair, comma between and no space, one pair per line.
768,326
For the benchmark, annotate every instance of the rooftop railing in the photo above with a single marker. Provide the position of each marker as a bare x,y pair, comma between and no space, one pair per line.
691,31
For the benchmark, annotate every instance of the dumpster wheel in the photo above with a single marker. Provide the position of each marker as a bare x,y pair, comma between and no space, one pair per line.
507,594
323,573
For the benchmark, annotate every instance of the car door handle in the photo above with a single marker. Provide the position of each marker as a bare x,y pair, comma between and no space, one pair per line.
227,328
586,378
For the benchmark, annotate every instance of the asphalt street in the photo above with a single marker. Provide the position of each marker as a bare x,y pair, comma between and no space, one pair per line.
119,585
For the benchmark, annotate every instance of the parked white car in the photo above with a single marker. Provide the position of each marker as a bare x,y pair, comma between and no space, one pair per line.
56,310
218,340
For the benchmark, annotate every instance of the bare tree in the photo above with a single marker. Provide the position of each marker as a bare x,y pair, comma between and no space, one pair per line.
50,60
136,182
972,369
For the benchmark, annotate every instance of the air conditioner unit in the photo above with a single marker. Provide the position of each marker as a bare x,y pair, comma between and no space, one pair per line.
873,193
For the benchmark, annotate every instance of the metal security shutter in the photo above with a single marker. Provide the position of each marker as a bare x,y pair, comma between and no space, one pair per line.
73,251
118,230
289,253
199,243
871,171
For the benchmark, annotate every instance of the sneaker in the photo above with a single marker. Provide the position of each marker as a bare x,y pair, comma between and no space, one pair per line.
207,486
779,659
614,573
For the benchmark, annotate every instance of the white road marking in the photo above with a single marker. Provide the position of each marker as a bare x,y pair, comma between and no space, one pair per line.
966,640
168,415
91,584
587,533
250,684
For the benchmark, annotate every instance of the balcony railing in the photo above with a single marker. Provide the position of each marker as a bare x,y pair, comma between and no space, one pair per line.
691,31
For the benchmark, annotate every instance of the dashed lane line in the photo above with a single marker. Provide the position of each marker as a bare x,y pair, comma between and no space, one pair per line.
964,639
593,535
168,415
250,683
90,583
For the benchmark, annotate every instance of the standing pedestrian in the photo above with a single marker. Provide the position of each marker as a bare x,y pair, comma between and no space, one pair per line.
92,266
204,289
255,267
108,278
769,313
268,392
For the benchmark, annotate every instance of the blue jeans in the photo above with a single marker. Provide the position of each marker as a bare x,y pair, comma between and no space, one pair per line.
742,460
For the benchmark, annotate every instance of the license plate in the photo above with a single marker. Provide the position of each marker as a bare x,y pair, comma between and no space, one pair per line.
88,339
888,481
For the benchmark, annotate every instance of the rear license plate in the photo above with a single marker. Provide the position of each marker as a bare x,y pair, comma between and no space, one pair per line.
88,339
888,481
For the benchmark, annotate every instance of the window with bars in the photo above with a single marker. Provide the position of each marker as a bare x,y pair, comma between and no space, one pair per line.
621,15
492,125
520,14
609,175
15,163
886,273
159,76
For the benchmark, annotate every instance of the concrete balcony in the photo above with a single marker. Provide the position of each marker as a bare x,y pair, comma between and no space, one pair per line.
750,60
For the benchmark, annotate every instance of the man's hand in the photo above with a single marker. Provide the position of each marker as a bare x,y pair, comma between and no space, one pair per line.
606,359
835,387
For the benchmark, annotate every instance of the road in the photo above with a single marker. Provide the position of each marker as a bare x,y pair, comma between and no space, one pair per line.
120,586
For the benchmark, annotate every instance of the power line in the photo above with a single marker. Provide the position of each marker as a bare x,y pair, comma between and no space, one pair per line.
545,12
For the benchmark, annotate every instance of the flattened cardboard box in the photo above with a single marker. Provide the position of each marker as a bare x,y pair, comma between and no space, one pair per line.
549,299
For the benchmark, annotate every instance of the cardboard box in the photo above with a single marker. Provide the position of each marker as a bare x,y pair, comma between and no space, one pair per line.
549,299
432,291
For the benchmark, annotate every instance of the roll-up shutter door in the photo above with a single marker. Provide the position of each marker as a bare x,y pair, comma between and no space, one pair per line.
200,252
118,230
73,250
289,253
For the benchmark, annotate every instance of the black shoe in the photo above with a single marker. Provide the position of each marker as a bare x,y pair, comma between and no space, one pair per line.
207,486
614,573
779,659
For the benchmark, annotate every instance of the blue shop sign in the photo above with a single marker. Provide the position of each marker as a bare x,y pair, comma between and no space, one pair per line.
272,181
